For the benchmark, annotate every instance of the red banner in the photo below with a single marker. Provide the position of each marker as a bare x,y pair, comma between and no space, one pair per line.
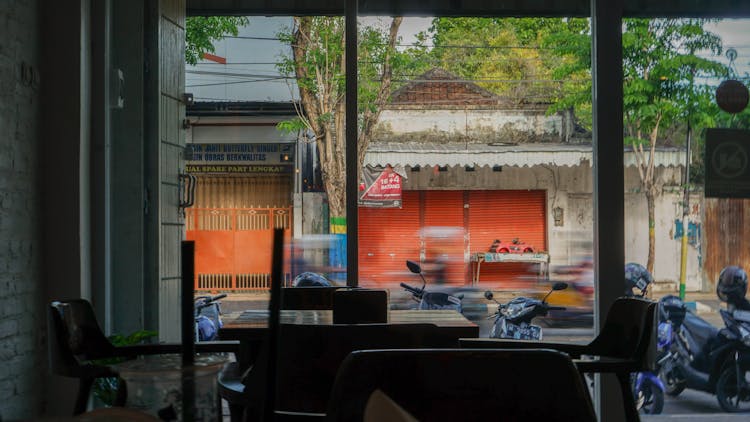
381,188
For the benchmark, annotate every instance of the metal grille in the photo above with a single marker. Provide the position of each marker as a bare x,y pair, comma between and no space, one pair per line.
215,281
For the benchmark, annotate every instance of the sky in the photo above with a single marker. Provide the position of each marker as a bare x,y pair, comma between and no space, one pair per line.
254,76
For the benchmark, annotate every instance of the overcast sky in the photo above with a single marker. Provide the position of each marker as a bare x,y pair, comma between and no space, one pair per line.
253,75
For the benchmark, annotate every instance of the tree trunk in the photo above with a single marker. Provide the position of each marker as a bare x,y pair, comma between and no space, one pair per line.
650,203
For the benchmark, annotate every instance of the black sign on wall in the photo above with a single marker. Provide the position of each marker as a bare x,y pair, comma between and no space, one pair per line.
727,163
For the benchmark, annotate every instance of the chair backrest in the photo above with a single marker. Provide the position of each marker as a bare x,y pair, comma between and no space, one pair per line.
310,355
74,336
464,384
629,332
307,298
360,306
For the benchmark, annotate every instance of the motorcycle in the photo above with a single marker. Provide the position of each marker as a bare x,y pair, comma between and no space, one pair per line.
513,319
705,358
733,384
208,317
648,388
431,300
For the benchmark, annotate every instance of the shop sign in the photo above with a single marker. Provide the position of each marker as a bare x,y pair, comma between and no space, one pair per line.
236,168
218,154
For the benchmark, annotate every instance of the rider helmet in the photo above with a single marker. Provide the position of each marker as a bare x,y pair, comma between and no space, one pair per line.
636,276
310,279
732,284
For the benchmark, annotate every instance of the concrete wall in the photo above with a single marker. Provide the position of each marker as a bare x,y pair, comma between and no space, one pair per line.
22,314
483,126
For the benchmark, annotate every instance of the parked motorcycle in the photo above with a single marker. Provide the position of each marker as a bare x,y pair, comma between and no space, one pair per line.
208,317
431,300
703,357
648,388
513,319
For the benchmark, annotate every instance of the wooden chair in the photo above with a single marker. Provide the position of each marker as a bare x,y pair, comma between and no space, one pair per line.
76,341
463,385
625,344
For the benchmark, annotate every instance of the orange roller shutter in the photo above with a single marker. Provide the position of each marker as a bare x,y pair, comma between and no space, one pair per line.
505,215
387,238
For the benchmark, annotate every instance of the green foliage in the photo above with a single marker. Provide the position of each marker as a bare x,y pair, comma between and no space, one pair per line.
202,31
506,55
105,389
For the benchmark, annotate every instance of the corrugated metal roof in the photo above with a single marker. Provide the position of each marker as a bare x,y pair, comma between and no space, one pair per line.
523,155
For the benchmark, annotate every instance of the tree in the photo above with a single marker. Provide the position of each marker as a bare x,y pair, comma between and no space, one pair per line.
318,66
661,69
202,31
501,54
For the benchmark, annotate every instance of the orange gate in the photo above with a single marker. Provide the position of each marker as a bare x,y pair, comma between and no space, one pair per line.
233,246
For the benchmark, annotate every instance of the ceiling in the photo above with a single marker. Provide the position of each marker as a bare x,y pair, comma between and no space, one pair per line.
632,8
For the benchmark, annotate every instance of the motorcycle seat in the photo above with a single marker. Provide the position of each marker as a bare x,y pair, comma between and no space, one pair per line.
701,329
701,338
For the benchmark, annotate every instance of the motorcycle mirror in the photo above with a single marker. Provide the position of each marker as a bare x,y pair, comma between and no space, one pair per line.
560,286
414,267
488,295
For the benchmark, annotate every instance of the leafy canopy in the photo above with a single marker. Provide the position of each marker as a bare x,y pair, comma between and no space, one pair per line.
202,31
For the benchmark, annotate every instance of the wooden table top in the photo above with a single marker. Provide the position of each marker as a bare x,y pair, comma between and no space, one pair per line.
258,319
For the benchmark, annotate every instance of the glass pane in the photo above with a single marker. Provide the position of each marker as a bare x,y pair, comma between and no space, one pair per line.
479,171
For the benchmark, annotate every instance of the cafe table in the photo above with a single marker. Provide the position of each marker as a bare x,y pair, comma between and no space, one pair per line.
250,326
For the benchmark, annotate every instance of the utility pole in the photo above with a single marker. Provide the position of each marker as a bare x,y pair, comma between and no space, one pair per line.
685,213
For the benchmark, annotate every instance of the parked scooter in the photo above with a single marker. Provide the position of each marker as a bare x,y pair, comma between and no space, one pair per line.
705,358
431,300
513,319
208,317
648,388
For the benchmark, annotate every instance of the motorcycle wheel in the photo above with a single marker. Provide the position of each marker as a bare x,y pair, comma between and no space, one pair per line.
649,399
673,383
732,397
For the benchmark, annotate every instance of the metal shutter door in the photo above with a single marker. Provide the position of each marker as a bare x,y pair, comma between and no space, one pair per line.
443,233
387,238
505,215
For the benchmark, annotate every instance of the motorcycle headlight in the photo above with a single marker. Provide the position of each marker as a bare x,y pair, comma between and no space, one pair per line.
513,310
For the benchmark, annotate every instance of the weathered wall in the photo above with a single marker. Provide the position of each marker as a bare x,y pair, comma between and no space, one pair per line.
22,315
483,126
725,236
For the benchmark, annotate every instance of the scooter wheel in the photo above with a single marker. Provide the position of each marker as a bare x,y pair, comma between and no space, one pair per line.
733,397
651,398
673,383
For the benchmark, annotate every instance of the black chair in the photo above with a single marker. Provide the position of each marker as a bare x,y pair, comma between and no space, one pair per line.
625,344
76,341
464,385
360,306
307,298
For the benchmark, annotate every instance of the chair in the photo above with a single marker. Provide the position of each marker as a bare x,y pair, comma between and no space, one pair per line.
76,341
625,344
463,385
310,356
360,306
307,298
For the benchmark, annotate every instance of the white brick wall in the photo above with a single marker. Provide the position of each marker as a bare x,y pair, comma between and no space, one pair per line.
23,363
